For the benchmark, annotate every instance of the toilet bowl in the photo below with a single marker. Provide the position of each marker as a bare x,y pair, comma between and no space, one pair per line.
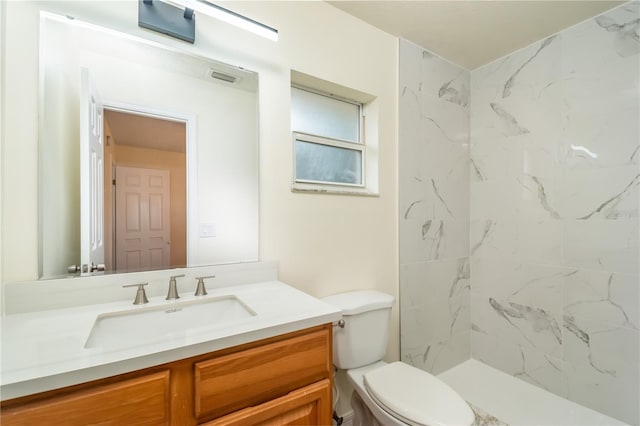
391,393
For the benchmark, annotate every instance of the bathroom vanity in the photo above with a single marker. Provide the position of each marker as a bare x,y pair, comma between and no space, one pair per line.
273,366
280,380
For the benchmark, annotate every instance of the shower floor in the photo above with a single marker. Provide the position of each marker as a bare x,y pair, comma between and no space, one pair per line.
503,399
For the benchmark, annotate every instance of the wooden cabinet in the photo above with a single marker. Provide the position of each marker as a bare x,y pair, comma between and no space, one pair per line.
140,401
278,381
245,378
308,406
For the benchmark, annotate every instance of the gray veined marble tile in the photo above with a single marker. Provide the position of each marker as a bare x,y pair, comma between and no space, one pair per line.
440,198
538,319
600,367
475,171
518,324
574,329
435,128
437,171
496,199
626,29
520,361
445,101
614,396
485,234
603,297
456,90
608,350
490,155
460,284
433,282
506,92
543,199
508,123
493,238
635,155
539,241
436,357
607,193
433,239
434,322
601,244
533,285
608,207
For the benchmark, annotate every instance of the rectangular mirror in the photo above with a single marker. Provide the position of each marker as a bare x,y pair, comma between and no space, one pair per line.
148,156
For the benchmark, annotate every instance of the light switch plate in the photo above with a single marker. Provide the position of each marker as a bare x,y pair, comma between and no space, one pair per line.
207,229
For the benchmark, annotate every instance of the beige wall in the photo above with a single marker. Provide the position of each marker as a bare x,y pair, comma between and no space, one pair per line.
324,243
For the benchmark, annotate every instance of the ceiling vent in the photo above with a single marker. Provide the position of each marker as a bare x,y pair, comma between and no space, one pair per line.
231,79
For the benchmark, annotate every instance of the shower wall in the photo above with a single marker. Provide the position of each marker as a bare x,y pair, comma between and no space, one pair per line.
555,180
433,210
542,228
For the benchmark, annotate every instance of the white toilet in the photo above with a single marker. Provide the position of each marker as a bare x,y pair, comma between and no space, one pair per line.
395,393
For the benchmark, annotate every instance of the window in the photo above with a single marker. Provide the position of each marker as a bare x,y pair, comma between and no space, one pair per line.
329,150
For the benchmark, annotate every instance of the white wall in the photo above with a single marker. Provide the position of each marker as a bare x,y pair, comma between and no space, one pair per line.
324,243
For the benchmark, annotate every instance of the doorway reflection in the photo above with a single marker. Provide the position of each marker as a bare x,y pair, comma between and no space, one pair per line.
145,193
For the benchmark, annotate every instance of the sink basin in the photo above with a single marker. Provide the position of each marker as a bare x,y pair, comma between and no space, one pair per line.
173,320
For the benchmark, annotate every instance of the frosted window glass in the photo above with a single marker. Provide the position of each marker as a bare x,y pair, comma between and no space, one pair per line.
325,163
324,116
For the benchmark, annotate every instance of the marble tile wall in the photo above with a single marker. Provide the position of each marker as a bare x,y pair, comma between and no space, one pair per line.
434,210
554,199
519,197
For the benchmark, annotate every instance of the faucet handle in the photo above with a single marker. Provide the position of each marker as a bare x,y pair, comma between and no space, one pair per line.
172,294
200,290
141,296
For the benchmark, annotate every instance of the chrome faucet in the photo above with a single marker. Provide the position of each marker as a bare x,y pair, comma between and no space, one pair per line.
200,290
141,296
172,294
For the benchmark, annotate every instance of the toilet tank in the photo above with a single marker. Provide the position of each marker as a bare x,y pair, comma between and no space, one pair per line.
363,340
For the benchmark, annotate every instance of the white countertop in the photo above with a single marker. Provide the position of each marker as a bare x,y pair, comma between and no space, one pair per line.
46,350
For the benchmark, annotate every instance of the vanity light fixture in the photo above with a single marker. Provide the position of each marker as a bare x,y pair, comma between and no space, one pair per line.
230,17
167,19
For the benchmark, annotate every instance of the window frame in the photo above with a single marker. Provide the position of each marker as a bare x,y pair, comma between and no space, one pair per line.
359,145
337,143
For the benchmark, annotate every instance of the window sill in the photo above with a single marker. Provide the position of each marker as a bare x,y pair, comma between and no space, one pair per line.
331,190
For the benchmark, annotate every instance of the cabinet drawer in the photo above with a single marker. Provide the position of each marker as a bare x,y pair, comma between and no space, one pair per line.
140,401
309,406
250,377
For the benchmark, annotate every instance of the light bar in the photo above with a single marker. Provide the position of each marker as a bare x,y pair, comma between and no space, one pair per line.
230,17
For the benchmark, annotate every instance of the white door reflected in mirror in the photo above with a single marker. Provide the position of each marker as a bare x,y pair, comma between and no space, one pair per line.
91,174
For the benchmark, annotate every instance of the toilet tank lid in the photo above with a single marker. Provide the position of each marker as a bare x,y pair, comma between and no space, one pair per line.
356,302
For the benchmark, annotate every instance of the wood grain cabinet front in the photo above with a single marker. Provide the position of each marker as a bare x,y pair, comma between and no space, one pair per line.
308,406
140,401
277,381
246,378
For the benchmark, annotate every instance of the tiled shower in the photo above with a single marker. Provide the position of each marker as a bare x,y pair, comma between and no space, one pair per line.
518,207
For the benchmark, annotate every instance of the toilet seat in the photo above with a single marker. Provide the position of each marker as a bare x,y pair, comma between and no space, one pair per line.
416,397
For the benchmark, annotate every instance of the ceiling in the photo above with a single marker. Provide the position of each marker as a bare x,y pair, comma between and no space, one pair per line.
472,33
146,132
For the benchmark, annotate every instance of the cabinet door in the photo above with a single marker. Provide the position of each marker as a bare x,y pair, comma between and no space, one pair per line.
140,401
308,406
